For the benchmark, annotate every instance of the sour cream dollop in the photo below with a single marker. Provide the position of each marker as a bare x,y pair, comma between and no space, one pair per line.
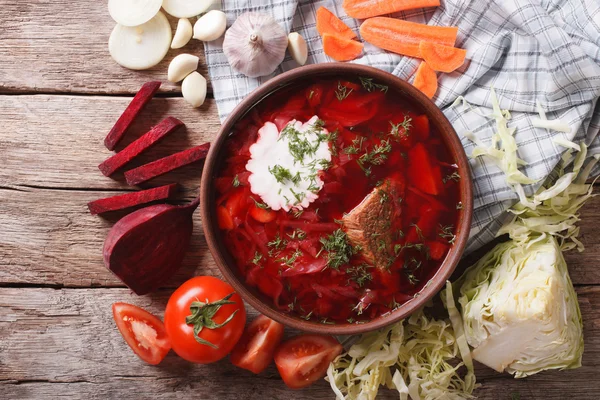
285,165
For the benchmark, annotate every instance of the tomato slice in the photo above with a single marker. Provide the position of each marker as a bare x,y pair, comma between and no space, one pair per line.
256,348
262,214
143,332
304,359
423,172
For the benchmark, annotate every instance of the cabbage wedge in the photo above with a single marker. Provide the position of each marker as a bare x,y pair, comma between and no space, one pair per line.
520,309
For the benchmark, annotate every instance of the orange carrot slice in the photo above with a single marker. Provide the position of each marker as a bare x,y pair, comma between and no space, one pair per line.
426,80
341,49
372,8
442,58
403,37
327,22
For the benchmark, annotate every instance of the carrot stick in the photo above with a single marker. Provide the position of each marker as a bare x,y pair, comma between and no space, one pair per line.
371,8
327,22
426,80
403,37
341,49
442,58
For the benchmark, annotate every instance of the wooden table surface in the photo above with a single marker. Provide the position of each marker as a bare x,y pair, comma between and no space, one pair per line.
60,93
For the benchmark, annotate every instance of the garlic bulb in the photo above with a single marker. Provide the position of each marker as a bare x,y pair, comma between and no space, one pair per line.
255,44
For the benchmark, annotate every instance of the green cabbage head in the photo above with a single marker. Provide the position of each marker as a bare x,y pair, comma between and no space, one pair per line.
520,309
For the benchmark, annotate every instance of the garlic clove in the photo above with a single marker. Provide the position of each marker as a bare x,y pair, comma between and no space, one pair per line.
210,26
194,89
182,66
133,12
186,8
297,48
255,44
143,46
183,33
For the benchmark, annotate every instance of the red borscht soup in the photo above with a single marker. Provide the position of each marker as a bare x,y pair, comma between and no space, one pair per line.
337,199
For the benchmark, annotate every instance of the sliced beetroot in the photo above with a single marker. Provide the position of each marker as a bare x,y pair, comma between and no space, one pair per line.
133,109
146,247
119,160
166,164
131,199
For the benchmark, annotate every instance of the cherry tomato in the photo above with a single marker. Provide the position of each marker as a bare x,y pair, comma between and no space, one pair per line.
304,359
142,331
208,304
255,349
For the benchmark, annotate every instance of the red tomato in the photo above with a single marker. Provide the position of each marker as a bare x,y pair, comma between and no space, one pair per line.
224,219
261,214
142,331
304,359
255,349
229,318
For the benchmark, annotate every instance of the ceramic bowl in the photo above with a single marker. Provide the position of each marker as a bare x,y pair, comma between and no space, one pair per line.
225,261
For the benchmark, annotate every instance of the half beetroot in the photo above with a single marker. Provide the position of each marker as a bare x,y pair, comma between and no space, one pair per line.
166,164
146,247
131,199
140,100
119,160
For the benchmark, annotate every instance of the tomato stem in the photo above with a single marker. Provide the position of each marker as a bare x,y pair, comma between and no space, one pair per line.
202,317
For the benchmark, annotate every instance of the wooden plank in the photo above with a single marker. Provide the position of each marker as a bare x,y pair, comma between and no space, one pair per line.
61,46
57,141
65,342
48,237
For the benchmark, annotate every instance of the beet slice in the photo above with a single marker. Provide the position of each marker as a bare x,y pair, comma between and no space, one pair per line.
131,199
145,248
140,100
116,162
166,164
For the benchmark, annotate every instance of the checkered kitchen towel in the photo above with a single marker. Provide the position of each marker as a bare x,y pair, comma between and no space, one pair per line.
528,50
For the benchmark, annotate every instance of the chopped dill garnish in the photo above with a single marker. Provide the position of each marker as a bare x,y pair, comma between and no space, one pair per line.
419,231
299,196
378,155
459,205
360,274
452,177
342,92
260,204
307,316
257,257
369,85
338,249
297,234
281,174
384,197
405,125
289,261
278,243
298,213
447,232
236,181
356,146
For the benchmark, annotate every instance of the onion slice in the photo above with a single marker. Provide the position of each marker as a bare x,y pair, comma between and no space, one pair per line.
186,8
143,46
133,12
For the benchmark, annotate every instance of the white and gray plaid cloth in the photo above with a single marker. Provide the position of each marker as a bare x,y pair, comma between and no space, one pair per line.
527,50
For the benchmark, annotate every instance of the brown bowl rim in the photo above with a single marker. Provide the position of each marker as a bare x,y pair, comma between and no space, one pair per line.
436,117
